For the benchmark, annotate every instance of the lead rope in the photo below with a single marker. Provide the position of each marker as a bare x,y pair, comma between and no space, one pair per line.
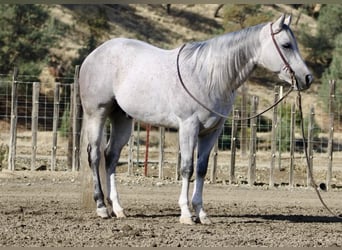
217,113
312,180
294,83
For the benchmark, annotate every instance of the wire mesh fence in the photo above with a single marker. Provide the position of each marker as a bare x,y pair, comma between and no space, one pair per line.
53,140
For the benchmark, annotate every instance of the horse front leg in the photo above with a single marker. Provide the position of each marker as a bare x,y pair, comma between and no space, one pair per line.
205,145
187,143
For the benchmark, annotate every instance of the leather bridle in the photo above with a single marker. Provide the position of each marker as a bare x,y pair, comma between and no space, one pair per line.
287,65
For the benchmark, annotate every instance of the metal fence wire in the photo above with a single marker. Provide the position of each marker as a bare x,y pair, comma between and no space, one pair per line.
42,131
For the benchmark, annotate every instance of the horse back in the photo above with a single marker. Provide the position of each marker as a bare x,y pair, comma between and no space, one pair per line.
137,76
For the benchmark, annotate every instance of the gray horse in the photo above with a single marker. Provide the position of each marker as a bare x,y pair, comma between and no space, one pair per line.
124,79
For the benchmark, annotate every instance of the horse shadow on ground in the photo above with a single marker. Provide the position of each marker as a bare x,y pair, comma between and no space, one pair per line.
253,218
293,218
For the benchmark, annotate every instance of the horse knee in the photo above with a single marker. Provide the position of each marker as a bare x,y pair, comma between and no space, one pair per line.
201,172
187,171
202,167
111,159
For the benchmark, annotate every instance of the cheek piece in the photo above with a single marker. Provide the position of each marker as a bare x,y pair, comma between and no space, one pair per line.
286,64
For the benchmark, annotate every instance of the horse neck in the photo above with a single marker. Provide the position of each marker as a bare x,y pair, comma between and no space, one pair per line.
226,61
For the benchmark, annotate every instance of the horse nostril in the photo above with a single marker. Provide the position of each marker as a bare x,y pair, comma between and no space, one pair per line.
308,79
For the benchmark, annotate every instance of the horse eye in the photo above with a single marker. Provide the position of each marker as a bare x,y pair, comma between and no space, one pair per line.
287,46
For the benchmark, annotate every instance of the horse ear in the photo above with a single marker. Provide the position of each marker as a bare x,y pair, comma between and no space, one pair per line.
278,25
288,20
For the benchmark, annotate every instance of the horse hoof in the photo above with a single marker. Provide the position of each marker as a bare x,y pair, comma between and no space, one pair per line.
120,214
186,221
205,220
102,212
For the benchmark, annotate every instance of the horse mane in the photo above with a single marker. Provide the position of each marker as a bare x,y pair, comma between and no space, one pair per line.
224,61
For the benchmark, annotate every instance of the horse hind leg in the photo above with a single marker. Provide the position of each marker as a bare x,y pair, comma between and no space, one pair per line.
95,124
119,136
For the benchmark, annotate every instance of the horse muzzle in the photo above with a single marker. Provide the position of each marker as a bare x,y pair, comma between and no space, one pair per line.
308,80
304,83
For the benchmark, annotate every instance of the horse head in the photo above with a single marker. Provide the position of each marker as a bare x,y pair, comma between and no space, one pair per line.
280,54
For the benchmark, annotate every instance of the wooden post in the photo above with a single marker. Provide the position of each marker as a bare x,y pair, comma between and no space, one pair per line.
70,126
138,142
252,145
34,122
76,123
55,126
331,132
131,151
178,162
243,138
280,127
233,147
310,145
292,143
274,137
214,165
14,119
161,151
148,128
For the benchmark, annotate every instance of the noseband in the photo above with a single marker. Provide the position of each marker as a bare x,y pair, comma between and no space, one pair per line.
287,65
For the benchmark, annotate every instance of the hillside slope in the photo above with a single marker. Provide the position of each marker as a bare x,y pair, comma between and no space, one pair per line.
152,23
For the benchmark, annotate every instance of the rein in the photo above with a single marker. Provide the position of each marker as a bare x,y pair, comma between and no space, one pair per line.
313,182
217,113
294,84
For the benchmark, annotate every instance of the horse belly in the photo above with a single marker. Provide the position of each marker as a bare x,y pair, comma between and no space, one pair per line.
144,93
148,108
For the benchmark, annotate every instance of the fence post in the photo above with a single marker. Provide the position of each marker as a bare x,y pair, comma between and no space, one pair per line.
310,144
331,132
292,143
233,147
214,165
55,126
70,126
161,151
274,137
252,147
148,128
138,142
243,139
14,119
131,150
76,123
178,162
280,127
34,122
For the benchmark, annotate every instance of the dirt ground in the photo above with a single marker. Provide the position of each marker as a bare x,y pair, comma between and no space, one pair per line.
43,208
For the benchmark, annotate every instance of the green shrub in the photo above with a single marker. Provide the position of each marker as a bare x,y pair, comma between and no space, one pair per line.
3,155
64,128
